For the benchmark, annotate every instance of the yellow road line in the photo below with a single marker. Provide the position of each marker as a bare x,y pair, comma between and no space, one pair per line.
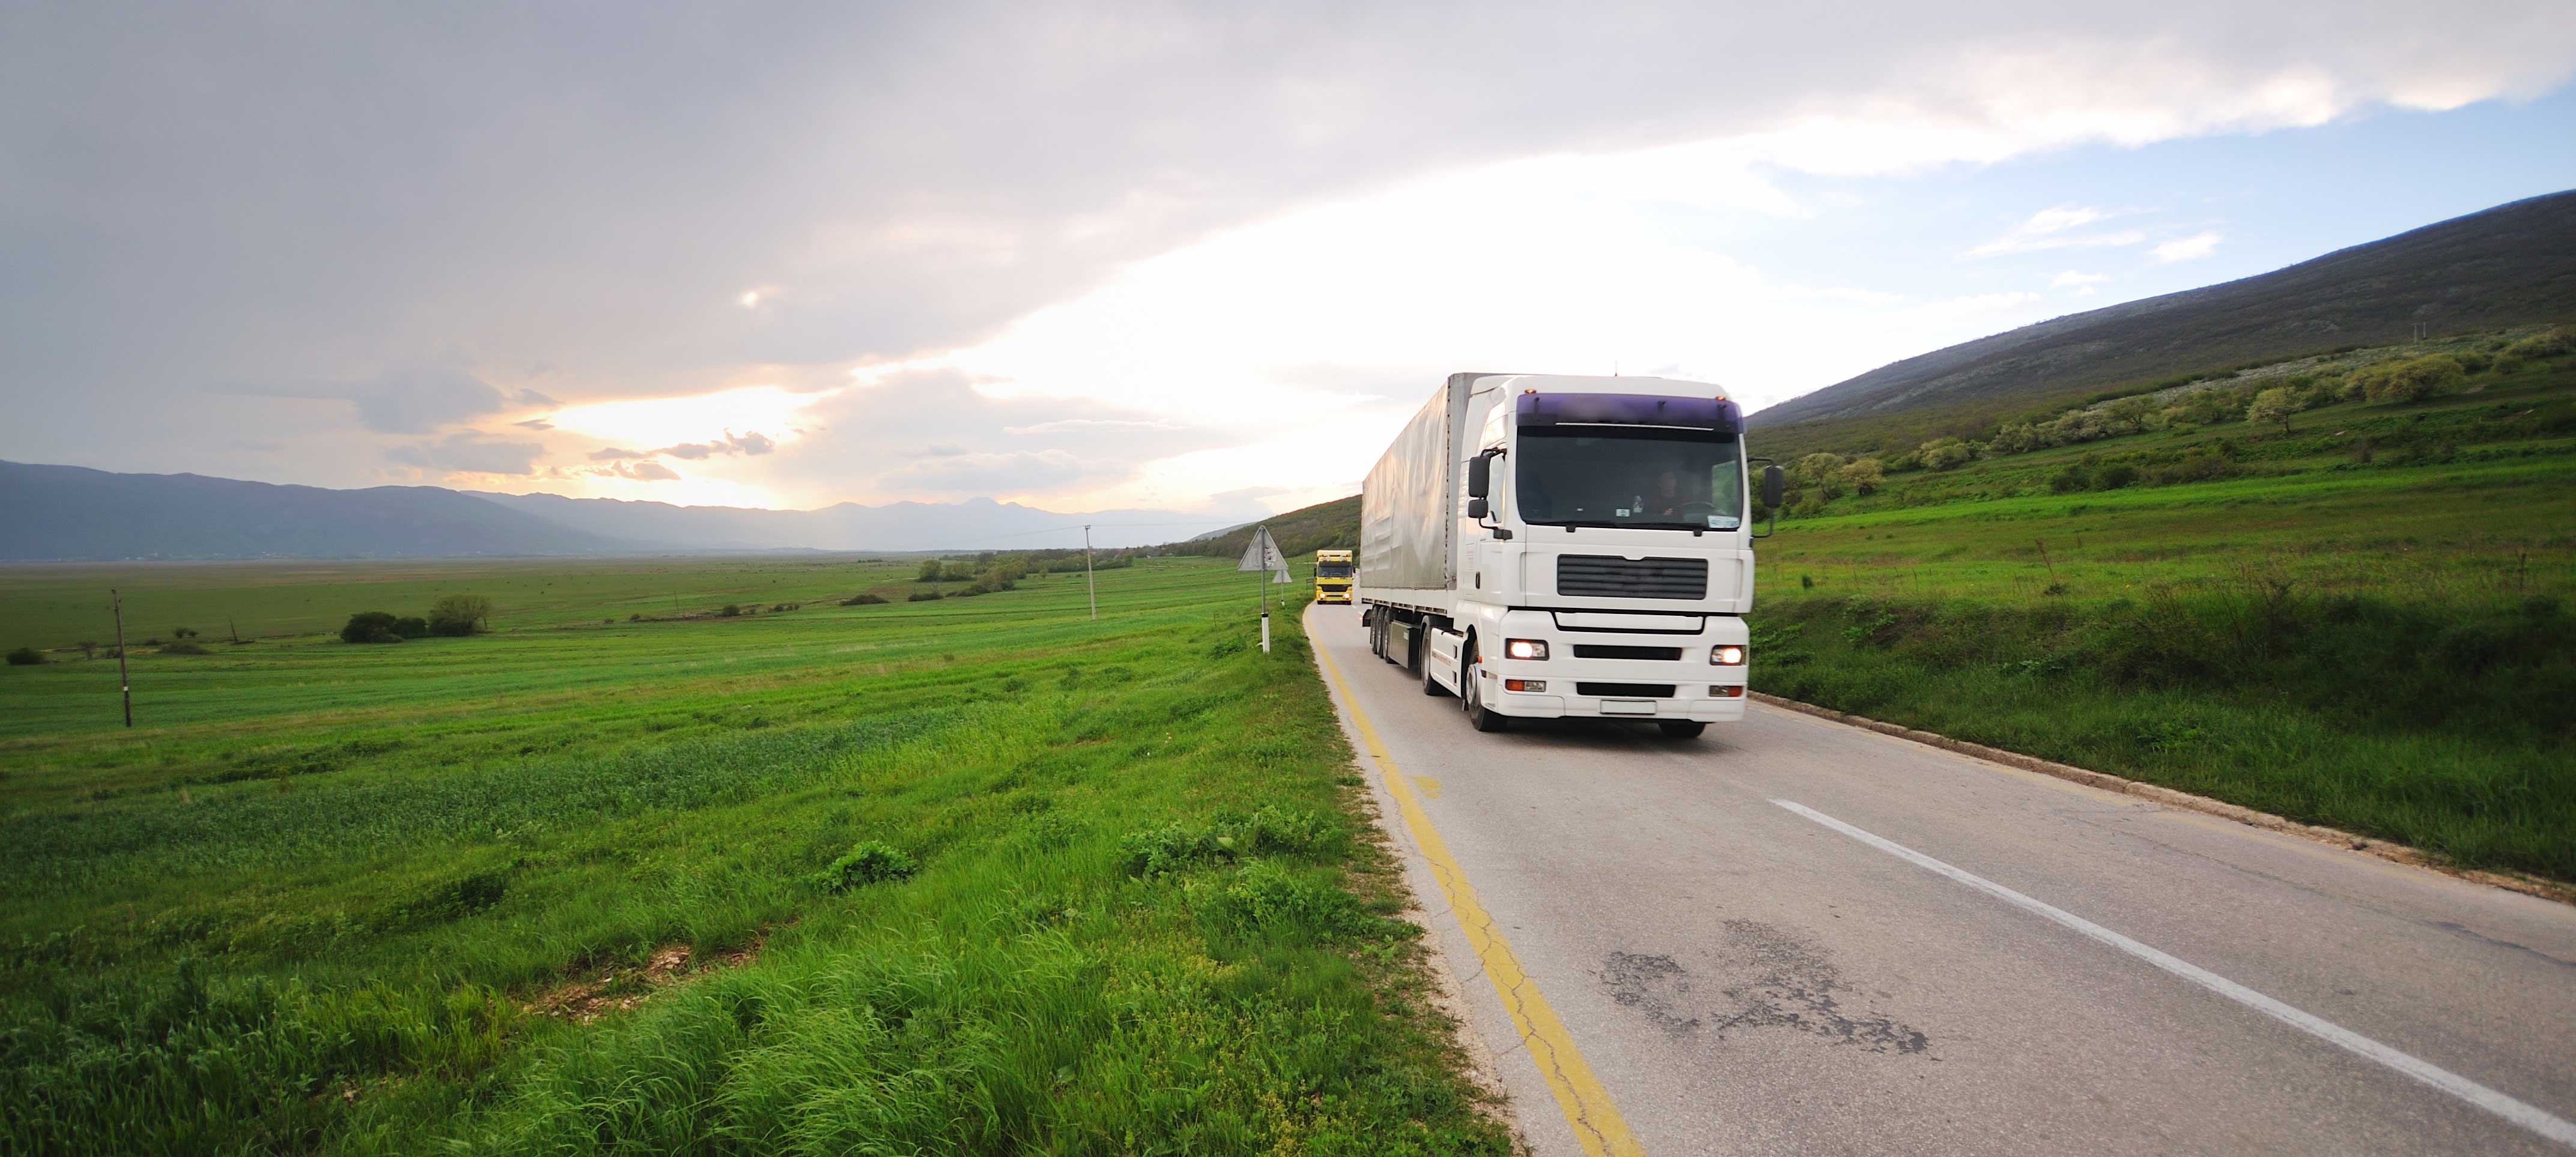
1587,1106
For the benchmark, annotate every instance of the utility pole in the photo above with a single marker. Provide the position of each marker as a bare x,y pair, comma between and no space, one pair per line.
1087,585
125,684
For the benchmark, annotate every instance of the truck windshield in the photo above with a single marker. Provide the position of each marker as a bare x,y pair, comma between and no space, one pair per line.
1652,477
1325,570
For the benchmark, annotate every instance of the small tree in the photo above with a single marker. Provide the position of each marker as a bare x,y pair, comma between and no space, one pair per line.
370,627
2273,407
1863,476
459,614
25,657
1946,454
412,627
89,649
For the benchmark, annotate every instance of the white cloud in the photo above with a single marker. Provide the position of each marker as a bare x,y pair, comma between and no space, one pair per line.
2072,279
2057,228
2190,248
1071,208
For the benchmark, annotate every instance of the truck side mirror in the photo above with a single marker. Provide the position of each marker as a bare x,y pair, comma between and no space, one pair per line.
1480,476
1771,487
1476,509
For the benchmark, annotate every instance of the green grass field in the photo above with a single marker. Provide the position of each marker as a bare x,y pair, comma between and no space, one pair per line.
590,886
2376,637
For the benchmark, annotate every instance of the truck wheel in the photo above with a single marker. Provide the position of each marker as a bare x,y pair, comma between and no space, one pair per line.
1677,729
1422,648
1472,696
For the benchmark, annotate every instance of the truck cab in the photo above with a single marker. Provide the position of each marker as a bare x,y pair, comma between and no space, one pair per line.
1333,575
1596,539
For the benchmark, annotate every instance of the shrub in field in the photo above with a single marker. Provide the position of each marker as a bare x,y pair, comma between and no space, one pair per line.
2114,476
2070,480
868,862
2411,380
370,627
184,647
863,600
1946,454
459,614
785,607
2548,343
412,627
2273,407
25,657
729,611
922,597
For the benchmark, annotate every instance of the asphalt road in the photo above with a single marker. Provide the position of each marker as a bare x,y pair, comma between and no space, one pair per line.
1793,936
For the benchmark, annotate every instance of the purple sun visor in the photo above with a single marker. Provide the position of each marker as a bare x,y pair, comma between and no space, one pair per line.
1718,414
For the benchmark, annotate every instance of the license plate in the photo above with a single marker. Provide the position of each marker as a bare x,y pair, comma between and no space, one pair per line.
1627,706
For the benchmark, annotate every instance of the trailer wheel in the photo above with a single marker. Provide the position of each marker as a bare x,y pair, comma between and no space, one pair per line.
1678,729
1471,694
1422,649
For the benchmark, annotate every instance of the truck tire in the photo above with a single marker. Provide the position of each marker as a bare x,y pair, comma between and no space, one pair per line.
1680,729
1422,648
1471,695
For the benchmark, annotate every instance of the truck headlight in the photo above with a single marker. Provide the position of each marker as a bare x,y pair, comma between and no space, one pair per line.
1726,655
1525,648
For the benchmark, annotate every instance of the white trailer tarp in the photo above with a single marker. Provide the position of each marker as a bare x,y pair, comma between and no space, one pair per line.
1408,505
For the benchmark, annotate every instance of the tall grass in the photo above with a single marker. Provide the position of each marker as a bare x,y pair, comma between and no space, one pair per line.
345,948
2437,725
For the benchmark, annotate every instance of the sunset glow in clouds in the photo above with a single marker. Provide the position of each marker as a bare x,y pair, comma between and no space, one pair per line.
957,251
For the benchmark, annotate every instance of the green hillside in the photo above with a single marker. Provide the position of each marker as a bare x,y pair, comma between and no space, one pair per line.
2511,265
1333,525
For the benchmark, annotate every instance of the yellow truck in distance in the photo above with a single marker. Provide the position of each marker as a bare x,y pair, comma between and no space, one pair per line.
1332,576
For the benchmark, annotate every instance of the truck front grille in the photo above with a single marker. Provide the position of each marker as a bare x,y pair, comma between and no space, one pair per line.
1609,651
1620,578
1625,690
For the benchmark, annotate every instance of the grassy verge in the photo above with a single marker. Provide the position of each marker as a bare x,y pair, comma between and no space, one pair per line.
2442,727
901,878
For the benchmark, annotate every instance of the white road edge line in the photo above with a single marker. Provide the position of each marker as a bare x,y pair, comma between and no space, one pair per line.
2520,1113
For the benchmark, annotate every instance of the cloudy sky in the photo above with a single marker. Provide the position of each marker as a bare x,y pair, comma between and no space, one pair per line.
1191,257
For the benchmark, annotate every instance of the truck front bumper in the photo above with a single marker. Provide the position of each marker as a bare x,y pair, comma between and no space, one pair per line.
1600,674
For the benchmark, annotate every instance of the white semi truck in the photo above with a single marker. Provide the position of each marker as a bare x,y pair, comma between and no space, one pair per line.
1545,546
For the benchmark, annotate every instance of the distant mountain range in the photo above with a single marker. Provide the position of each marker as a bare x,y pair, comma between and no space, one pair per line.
2511,265
74,513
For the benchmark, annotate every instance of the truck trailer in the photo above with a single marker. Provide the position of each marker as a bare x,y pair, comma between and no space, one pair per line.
1547,546
1333,576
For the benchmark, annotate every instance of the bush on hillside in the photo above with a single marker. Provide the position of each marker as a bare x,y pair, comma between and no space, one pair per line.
2411,380
922,597
370,627
184,647
1946,454
2548,343
2273,407
729,611
868,862
25,657
863,600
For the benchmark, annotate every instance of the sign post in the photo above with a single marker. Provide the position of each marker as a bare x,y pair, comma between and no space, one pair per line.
1262,556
